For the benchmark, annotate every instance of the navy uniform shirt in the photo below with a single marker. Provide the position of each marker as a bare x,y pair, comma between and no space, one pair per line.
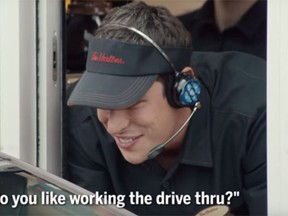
248,35
223,151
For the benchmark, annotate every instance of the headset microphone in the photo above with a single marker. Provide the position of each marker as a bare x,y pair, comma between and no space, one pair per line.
159,148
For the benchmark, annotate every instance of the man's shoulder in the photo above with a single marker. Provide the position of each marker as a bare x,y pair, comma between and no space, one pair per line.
231,59
235,81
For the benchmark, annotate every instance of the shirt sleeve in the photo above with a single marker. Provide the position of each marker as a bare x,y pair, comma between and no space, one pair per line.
84,162
255,168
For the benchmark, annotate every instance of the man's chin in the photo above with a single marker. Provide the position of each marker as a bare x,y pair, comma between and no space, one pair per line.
134,159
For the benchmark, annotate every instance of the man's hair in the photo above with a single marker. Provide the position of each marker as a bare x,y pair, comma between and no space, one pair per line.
155,21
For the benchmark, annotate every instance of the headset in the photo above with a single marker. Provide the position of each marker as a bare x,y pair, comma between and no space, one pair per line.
185,89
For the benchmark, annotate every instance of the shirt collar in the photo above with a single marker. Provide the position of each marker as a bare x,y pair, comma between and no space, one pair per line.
82,114
197,144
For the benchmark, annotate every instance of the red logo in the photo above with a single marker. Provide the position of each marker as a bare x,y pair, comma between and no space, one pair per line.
101,57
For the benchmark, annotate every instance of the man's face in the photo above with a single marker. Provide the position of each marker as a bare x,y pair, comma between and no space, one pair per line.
146,124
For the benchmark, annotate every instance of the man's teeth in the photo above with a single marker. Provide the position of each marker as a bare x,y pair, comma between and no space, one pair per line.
126,141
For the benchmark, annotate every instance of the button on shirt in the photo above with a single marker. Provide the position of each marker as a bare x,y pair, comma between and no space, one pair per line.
248,35
224,149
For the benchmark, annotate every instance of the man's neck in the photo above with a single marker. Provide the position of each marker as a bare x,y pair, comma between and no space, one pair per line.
167,159
229,12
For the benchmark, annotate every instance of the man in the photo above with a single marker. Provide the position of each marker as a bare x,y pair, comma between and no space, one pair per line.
136,124
229,25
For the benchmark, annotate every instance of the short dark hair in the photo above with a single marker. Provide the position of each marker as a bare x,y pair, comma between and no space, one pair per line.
155,21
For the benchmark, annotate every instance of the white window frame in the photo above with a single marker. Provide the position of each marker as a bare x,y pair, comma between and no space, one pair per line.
17,79
277,106
30,98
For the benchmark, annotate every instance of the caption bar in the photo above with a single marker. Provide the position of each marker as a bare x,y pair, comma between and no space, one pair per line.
135,198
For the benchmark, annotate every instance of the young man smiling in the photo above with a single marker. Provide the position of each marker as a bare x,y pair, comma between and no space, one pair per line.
136,124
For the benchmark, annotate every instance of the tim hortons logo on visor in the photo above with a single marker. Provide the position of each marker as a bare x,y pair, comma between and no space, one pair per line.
101,57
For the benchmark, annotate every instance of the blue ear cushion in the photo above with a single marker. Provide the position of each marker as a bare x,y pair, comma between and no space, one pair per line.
190,92
181,90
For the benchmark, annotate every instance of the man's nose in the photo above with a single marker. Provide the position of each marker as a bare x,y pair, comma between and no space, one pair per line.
117,121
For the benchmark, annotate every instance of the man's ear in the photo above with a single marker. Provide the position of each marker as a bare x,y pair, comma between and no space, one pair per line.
189,70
